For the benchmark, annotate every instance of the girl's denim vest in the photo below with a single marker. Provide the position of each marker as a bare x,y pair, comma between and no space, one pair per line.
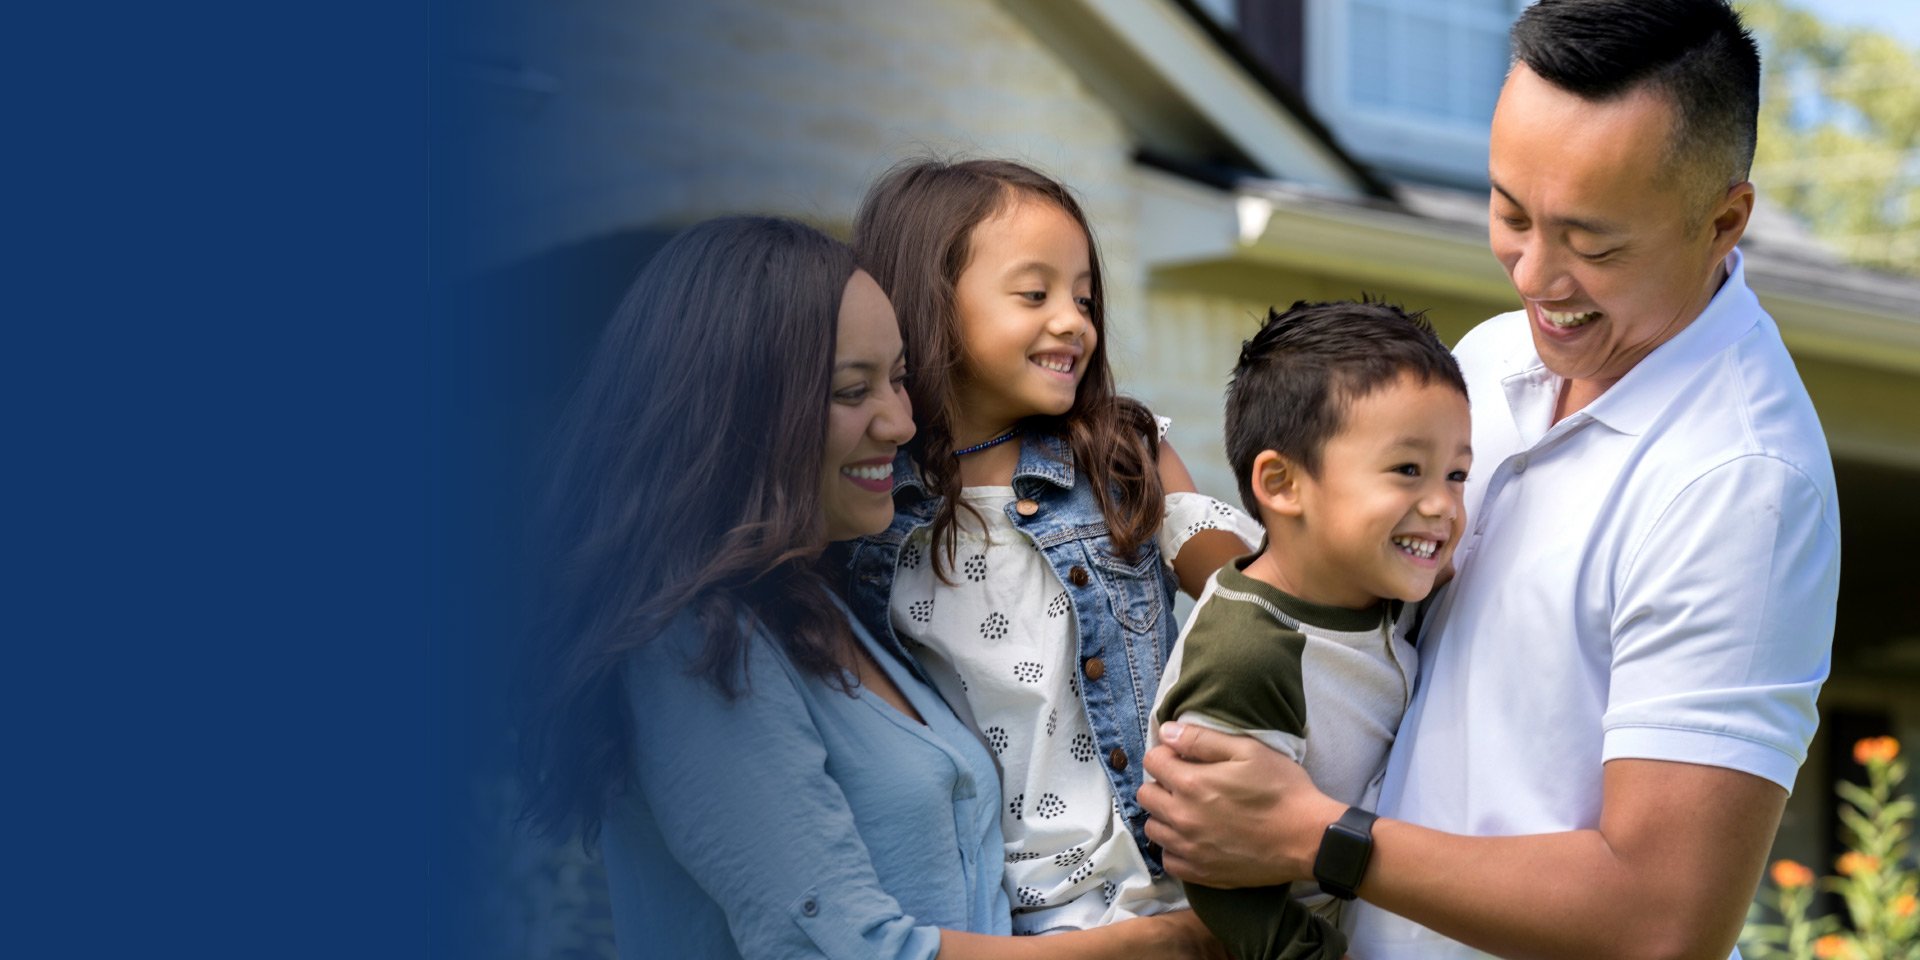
1123,609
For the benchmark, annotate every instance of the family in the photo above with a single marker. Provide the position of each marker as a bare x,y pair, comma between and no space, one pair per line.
863,642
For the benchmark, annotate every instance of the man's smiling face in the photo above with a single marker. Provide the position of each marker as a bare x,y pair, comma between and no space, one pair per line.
1612,248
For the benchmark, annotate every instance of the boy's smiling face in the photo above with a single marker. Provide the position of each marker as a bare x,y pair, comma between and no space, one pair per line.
1382,517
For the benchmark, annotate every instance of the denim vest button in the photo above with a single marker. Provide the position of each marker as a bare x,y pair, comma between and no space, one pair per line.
810,907
1095,668
1026,508
1077,576
1117,759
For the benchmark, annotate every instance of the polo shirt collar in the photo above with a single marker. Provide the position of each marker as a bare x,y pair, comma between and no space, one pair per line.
1631,405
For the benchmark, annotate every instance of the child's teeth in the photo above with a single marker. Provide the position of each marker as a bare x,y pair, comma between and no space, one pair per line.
881,472
1057,366
1418,547
1568,320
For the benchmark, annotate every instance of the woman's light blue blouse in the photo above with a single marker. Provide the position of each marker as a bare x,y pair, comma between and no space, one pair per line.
795,820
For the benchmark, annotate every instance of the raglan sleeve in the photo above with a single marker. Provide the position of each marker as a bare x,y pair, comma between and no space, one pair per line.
1234,680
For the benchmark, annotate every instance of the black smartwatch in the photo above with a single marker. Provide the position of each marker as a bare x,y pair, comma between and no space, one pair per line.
1344,851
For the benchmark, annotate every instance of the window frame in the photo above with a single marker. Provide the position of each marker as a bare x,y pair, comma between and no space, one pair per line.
1400,140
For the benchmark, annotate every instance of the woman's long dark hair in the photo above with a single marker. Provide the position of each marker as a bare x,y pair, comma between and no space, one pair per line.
914,233
686,480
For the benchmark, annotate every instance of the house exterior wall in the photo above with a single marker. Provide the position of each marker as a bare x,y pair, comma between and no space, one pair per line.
659,114
1198,317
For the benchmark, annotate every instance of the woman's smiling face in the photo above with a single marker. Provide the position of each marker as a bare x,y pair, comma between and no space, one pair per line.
868,415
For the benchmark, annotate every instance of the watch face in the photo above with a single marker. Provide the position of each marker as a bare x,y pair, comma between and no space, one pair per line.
1342,861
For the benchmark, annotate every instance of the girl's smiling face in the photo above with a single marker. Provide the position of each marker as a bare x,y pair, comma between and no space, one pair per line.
1025,310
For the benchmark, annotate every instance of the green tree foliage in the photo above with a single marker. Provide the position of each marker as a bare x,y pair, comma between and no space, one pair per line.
1839,143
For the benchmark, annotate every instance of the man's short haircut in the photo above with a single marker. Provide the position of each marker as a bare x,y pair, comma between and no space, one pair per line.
1695,53
1304,368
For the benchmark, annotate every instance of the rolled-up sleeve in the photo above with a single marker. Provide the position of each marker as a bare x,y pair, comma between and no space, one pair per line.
1191,513
1723,628
741,795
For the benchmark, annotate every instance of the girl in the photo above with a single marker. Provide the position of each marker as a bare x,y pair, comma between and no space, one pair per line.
764,776
1042,525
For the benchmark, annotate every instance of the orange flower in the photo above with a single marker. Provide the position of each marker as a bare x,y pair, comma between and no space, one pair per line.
1872,749
1853,863
1788,874
1831,947
1903,905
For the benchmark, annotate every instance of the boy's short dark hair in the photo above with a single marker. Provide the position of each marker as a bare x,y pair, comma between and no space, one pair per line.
1297,376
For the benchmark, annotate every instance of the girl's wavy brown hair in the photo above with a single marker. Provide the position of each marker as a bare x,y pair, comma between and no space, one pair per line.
914,233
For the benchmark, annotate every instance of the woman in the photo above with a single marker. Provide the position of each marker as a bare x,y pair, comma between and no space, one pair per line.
771,780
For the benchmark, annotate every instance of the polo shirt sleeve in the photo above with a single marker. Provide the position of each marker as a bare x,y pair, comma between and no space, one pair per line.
1723,623
743,799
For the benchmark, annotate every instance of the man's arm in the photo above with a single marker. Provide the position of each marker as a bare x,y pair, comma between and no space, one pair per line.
1723,619
1668,873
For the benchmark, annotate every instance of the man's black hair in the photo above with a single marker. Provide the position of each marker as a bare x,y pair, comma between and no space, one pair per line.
1300,372
1696,53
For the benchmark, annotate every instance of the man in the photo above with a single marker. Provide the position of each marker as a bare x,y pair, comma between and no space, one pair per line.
1618,688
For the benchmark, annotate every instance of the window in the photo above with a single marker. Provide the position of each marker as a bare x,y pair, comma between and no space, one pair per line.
1409,85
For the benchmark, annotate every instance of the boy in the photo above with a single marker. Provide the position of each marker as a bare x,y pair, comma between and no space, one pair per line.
1347,427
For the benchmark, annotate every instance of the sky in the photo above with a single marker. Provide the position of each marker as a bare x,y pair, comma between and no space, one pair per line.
1901,18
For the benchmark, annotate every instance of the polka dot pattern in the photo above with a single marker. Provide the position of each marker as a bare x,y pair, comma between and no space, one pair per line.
1058,606
1082,748
997,739
1006,642
1194,528
994,627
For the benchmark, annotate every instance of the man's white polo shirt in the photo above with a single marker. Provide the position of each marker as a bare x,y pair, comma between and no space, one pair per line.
1652,577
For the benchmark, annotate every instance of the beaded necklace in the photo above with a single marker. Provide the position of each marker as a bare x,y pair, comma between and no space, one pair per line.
996,441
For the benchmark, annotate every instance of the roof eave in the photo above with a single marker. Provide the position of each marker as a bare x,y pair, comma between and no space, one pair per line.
1839,313
1186,90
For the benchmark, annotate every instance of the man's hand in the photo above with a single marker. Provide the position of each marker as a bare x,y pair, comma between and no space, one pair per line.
1228,811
